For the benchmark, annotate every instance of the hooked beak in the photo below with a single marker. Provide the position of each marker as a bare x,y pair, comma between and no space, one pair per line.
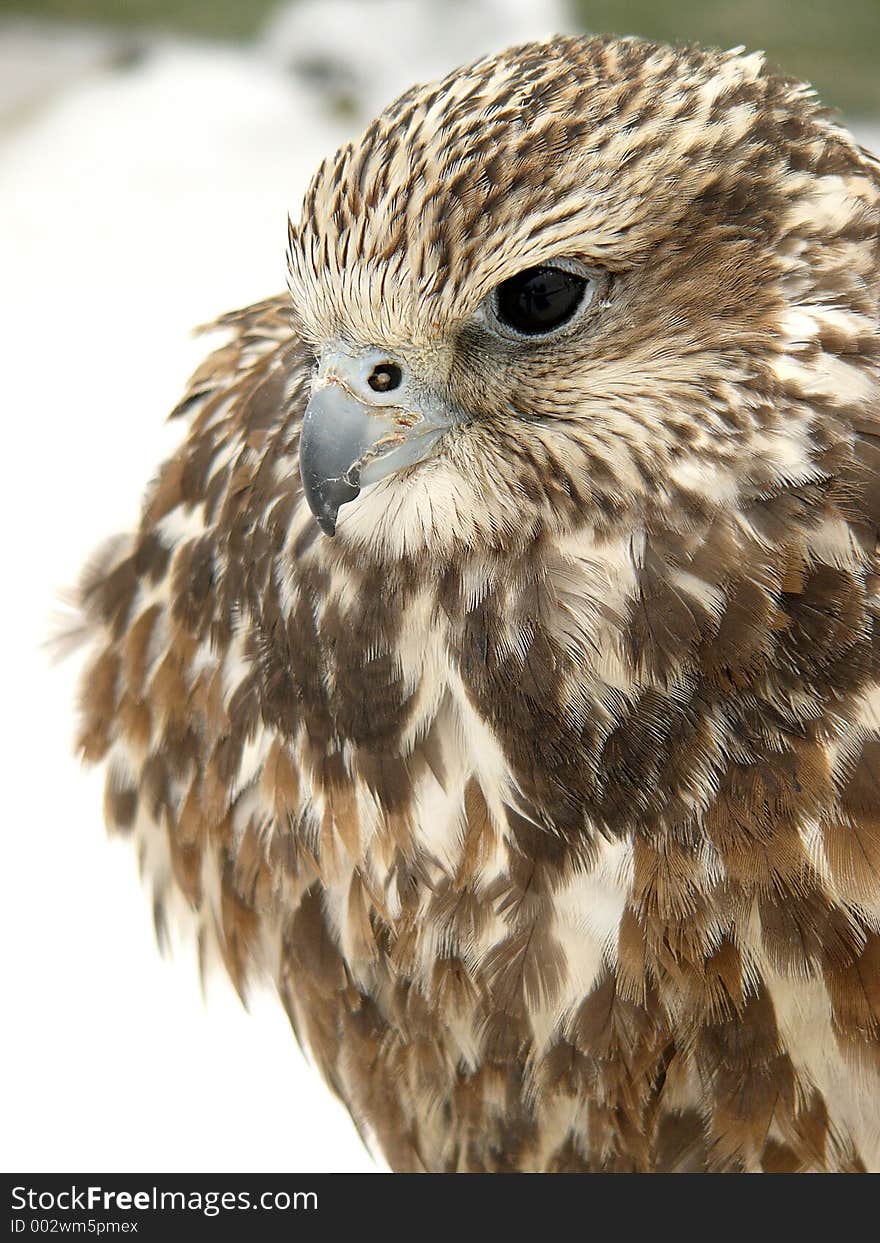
349,441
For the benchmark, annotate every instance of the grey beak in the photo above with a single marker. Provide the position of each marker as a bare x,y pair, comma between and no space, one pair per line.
336,432
347,444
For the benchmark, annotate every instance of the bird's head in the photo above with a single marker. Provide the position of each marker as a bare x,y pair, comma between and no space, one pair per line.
577,283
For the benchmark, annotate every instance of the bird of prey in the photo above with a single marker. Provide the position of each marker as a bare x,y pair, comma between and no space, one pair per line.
496,665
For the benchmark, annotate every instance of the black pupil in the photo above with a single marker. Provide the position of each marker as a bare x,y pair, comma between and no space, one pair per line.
539,299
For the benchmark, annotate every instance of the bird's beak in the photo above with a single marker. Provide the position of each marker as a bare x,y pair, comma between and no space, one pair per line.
349,442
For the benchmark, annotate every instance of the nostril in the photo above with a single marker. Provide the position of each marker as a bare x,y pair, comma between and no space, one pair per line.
385,377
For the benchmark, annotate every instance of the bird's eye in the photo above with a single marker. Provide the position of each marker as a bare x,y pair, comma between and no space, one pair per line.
539,300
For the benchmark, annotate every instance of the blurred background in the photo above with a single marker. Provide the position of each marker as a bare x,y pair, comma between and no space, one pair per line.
833,45
149,154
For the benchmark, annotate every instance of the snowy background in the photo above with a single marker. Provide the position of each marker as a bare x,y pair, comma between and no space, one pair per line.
145,182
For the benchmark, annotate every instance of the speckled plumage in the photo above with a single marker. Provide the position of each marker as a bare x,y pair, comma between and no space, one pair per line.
546,791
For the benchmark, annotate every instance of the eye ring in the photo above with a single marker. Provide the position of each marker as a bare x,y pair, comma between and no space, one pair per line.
541,301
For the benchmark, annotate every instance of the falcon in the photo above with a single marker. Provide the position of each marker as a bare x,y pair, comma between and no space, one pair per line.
496,665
